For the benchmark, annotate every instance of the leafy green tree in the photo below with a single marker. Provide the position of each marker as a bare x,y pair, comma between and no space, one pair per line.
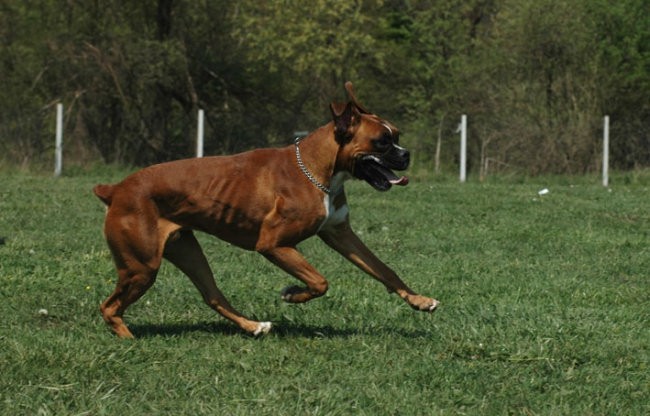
538,103
300,54
621,43
534,76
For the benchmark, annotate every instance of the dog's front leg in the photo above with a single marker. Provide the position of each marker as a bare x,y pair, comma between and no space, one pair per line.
292,262
342,239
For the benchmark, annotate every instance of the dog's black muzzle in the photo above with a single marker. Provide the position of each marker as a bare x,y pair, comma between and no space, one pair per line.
377,169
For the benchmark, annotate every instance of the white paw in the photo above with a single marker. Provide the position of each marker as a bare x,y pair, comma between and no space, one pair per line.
433,306
262,328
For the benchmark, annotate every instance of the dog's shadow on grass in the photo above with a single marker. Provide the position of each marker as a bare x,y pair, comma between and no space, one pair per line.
280,329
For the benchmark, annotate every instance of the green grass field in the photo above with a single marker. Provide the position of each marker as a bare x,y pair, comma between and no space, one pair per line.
545,309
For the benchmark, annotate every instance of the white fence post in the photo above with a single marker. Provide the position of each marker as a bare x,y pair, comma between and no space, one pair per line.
199,135
58,144
463,148
606,152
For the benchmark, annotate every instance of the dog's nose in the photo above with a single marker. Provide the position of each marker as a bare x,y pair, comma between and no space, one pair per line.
402,157
403,153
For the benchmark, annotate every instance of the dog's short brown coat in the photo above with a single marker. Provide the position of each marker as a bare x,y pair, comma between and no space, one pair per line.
261,200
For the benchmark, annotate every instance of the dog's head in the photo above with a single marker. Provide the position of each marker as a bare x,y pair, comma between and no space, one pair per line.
369,145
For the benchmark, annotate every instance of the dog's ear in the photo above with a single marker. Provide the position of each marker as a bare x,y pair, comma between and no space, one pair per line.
346,118
350,89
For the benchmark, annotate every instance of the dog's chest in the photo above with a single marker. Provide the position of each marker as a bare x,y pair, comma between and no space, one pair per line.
336,209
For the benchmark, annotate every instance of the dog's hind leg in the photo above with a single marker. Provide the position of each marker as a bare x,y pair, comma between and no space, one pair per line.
137,261
133,282
184,251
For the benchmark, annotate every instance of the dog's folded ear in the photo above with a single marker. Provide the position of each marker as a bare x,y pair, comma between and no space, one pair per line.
350,89
346,118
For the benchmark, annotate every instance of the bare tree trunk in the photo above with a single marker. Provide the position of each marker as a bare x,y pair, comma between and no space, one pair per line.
164,19
439,145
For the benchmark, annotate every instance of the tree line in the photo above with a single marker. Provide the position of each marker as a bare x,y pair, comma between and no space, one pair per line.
535,77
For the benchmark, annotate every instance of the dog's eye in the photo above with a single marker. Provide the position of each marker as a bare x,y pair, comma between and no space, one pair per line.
383,143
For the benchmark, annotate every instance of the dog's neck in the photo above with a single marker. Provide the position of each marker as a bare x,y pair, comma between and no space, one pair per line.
306,171
316,158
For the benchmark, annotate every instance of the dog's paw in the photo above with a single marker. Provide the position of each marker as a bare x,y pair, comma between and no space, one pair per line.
289,293
433,306
422,303
262,328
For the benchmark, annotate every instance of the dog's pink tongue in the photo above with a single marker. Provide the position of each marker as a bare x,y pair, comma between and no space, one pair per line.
403,181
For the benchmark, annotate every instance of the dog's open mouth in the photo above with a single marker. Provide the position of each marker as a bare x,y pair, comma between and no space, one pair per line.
375,171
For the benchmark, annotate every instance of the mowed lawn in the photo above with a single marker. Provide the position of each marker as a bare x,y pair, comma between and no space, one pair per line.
545,309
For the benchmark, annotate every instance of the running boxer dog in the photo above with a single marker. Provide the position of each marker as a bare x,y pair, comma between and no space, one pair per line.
267,200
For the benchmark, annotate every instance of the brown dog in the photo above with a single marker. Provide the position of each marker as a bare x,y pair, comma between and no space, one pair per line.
267,200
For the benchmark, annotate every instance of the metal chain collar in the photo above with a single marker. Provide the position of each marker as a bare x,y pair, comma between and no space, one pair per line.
307,173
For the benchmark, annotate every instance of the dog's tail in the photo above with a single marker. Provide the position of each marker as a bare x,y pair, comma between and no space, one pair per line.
105,193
